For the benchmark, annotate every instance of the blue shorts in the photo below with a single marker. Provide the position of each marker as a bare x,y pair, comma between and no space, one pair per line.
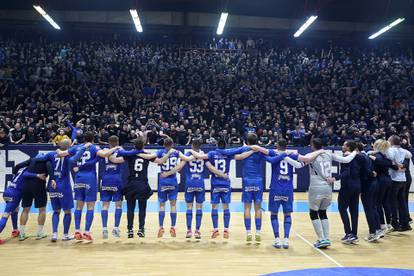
61,198
195,192
252,190
222,194
167,192
86,187
12,199
113,194
280,198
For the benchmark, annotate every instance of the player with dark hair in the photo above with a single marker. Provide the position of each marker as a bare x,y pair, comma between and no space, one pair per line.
12,196
86,186
281,190
220,185
320,190
111,190
137,186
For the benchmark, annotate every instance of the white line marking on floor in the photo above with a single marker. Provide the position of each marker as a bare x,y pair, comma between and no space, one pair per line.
320,251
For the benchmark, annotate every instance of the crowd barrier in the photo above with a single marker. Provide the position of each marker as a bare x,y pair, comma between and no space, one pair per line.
14,154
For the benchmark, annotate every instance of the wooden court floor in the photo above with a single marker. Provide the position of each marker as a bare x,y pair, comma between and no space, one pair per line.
177,256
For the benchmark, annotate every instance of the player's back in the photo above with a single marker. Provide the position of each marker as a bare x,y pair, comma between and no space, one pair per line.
111,169
60,166
320,170
18,180
170,164
194,172
87,162
222,163
252,166
282,175
138,167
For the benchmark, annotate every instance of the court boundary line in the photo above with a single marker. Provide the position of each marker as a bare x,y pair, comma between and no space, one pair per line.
318,250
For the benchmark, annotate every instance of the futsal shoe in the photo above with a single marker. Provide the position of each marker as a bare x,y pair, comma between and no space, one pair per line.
173,233
54,237
141,233
404,228
389,229
66,237
249,238
105,234
286,243
353,239
215,234
372,237
257,238
23,236
78,236
345,238
189,234
226,234
41,235
197,234
277,244
130,234
87,236
161,232
380,234
116,232
15,233
2,241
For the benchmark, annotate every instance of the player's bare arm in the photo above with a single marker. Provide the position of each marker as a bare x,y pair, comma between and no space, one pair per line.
174,170
243,155
199,155
215,171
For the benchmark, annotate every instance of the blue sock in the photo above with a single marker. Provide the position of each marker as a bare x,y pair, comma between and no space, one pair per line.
3,222
161,216
258,223
89,220
14,216
78,216
104,215
248,224
226,218
287,224
275,225
118,214
214,218
199,216
189,218
55,221
173,218
67,218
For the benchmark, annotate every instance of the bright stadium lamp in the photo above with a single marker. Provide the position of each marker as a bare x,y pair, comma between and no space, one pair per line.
386,28
46,16
137,22
305,25
222,23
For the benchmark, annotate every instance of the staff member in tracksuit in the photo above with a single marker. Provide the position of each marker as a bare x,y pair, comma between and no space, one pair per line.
348,197
369,194
399,208
381,166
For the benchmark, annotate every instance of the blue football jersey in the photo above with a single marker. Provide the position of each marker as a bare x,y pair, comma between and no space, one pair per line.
194,172
87,163
222,163
282,172
60,166
112,171
170,164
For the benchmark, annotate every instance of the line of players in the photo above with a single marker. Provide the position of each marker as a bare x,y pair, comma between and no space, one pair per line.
193,163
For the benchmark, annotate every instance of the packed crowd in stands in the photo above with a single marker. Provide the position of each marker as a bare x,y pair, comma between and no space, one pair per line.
50,89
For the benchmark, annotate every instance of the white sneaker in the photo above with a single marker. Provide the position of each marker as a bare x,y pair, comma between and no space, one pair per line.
286,243
105,234
67,237
54,237
116,233
277,244
389,229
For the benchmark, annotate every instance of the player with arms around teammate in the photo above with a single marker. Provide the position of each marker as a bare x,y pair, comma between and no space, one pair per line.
220,184
12,196
86,186
137,186
111,189
194,186
168,186
253,159
281,190
320,190
60,194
